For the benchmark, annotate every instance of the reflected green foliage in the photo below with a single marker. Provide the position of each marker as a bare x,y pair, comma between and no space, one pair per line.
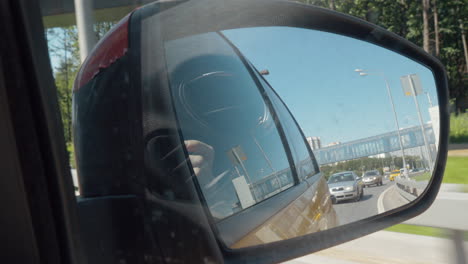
63,46
405,18
71,153
65,56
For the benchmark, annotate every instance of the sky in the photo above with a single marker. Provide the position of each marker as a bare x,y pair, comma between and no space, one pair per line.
313,72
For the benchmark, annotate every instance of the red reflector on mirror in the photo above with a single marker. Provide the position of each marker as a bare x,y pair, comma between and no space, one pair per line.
109,49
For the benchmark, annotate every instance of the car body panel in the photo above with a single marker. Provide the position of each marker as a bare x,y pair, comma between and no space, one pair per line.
341,184
345,195
309,213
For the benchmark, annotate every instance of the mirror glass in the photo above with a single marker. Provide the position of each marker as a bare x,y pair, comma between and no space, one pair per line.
292,131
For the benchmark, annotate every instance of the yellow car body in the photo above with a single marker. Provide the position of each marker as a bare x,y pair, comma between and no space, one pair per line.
394,174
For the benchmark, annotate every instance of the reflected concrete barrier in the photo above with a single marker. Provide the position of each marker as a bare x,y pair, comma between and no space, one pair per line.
410,188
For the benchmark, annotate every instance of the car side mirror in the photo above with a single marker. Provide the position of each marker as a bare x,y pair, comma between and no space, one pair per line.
257,166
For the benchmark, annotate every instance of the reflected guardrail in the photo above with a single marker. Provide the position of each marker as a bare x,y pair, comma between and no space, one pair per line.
409,188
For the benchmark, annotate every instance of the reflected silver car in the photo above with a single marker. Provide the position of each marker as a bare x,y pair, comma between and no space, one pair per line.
345,185
372,177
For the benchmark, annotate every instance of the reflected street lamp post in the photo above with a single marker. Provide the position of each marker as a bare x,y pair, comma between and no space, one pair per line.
364,73
409,79
259,146
429,98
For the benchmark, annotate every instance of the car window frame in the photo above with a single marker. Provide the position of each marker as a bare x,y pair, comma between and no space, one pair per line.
304,139
41,183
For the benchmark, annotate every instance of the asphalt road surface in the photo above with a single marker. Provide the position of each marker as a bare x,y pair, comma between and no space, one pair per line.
350,211
392,199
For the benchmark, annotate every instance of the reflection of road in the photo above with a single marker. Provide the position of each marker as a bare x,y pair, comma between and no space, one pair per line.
349,211
392,199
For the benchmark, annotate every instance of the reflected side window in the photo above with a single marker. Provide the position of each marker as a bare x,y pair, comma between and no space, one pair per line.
304,162
234,146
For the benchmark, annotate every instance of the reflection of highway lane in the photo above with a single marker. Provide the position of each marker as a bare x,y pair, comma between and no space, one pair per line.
392,199
349,211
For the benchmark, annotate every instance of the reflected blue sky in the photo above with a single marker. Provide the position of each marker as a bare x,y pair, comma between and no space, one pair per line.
313,72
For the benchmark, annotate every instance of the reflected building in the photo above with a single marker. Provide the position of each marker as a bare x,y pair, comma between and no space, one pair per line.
419,152
314,142
435,121
381,156
333,144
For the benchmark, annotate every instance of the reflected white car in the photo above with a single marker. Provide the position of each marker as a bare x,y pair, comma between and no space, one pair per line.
345,185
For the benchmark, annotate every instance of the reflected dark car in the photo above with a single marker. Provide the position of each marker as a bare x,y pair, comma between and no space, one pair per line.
345,185
372,177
